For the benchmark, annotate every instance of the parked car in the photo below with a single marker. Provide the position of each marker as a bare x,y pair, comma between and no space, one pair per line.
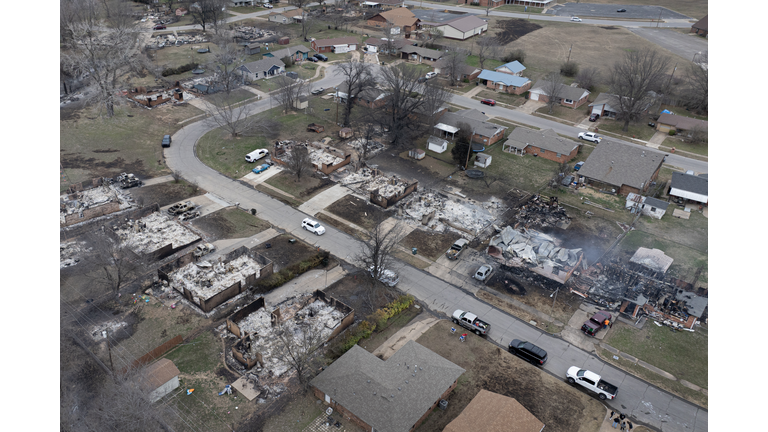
470,321
430,75
621,10
594,116
528,351
261,168
256,155
318,91
166,141
267,5
456,248
592,382
320,57
490,102
387,277
159,27
421,80
483,272
313,226
590,136
575,19
312,59
578,166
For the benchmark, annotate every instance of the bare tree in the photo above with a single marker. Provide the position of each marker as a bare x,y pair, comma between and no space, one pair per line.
365,129
631,80
208,13
455,60
115,264
299,163
226,61
403,114
238,121
697,135
696,96
298,346
376,253
302,4
98,48
124,404
553,88
588,78
389,31
358,77
487,48
433,97
289,92
335,14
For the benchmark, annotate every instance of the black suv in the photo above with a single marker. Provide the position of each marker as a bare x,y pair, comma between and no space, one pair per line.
320,57
528,351
166,141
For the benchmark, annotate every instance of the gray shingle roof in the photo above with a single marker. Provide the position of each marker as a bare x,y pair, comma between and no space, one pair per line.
475,121
433,16
546,139
348,40
682,122
263,65
466,23
621,164
424,52
690,183
376,391
566,92
659,204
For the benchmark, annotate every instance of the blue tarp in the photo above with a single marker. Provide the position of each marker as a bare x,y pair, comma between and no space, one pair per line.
667,112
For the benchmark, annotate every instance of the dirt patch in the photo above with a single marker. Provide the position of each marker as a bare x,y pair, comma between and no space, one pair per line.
230,223
101,168
360,212
282,253
430,245
165,193
351,290
513,29
551,400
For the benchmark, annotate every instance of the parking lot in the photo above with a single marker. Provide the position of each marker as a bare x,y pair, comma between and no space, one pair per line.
633,12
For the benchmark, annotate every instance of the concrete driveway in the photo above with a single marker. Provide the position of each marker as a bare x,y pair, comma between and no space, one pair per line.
684,45
634,12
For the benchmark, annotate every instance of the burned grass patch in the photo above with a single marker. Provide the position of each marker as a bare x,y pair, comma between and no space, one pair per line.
283,253
230,223
360,212
165,193
513,29
430,245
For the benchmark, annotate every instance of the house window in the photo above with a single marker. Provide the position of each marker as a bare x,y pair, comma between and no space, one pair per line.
558,155
568,101
653,209
543,151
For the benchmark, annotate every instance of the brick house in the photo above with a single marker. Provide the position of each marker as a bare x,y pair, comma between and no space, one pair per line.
607,105
372,98
465,72
621,167
387,395
420,54
680,124
402,20
261,68
545,143
505,83
378,45
701,27
297,53
492,412
571,97
485,132
329,45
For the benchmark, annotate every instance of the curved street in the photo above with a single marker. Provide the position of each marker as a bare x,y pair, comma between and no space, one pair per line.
644,402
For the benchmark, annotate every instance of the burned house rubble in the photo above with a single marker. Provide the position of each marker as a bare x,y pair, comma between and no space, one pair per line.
641,287
325,159
70,253
150,98
536,251
383,190
261,333
154,232
541,212
84,204
441,211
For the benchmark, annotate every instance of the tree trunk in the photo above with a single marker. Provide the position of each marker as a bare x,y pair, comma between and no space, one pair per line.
625,128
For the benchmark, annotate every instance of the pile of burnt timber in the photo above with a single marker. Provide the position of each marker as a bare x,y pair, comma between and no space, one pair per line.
542,212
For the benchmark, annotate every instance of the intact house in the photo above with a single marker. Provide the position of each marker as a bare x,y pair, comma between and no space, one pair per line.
648,206
492,412
485,133
420,54
372,98
287,17
381,4
513,68
505,83
253,48
297,53
607,105
690,187
545,143
340,45
464,72
571,97
402,21
461,28
701,27
379,45
159,379
263,68
680,124
393,395
622,168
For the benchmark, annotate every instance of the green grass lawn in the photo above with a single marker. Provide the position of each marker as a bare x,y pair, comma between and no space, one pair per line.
245,9
527,173
686,259
176,56
678,144
683,354
234,97
509,99
565,113
489,64
227,155
302,190
199,355
636,130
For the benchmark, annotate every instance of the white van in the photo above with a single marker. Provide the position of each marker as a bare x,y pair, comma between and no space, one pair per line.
256,155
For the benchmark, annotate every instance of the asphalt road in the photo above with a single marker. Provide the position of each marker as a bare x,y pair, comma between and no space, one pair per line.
686,46
643,402
634,12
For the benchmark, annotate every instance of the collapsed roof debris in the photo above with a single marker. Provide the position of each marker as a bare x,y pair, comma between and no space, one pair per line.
69,253
320,157
536,250
653,259
153,232
367,180
324,158
164,40
440,212
374,147
543,213
204,280
77,202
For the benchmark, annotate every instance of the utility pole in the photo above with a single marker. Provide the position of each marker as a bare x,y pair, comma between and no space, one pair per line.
569,54
670,77
469,151
338,100
109,348
659,20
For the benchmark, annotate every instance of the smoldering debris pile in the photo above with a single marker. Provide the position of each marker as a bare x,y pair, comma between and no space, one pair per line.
69,253
315,321
542,213
440,212
77,202
152,232
532,247
204,279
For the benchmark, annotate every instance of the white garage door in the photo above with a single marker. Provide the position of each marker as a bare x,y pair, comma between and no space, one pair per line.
597,109
534,96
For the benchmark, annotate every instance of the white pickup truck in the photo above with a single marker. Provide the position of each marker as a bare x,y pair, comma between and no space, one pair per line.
471,321
591,381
